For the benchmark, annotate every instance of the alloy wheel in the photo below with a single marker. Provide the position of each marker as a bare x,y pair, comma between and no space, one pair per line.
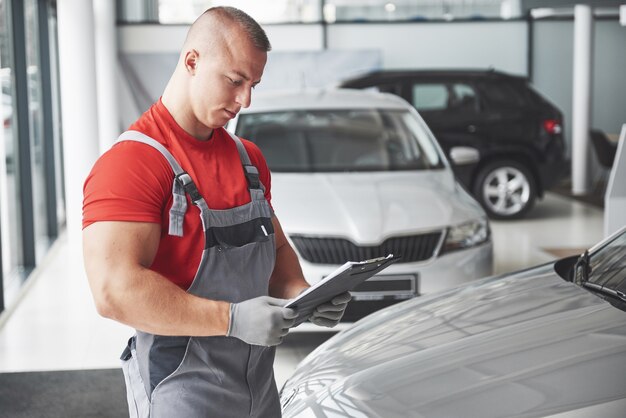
506,191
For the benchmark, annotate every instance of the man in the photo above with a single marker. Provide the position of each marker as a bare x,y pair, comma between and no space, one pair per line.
181,243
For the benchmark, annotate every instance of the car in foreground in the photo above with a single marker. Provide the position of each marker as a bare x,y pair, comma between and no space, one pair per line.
549,341
516,132
358,175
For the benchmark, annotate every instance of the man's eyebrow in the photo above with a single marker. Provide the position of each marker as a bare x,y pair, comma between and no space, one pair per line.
242,75
245,77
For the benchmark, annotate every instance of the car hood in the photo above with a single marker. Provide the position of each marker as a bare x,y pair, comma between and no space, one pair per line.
529,344
368,207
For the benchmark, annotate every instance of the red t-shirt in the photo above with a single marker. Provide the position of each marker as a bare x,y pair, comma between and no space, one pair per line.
133,182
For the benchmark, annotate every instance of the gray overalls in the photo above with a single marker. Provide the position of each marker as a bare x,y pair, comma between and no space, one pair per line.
184,377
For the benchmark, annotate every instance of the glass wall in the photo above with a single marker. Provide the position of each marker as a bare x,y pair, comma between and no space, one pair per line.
35,123
420,10
57,144
10,202
329,11
186,11
31,196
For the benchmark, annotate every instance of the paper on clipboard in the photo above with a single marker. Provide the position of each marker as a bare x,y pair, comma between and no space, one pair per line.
343,279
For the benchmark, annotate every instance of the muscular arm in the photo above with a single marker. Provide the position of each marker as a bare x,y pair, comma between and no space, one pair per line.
117,258
287,280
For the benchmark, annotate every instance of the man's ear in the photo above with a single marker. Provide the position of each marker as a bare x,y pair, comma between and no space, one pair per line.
191,61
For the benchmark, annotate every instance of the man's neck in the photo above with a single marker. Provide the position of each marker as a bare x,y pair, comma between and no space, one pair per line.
183,115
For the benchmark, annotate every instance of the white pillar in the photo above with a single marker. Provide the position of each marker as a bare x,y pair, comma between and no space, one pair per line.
581,112
79,108
106,64
511,9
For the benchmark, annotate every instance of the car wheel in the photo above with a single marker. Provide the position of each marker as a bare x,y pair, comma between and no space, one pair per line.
505,189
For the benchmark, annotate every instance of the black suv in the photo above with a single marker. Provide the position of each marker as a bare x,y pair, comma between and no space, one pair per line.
516,132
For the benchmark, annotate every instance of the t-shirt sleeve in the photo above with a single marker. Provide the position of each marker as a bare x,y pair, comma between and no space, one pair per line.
130,182
258,160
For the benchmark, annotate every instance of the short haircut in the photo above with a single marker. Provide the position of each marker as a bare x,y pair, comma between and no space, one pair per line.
250,26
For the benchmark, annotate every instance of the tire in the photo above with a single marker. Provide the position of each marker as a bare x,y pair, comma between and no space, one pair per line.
506,189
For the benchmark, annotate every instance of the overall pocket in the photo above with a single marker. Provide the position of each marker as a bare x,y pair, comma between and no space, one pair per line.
239,235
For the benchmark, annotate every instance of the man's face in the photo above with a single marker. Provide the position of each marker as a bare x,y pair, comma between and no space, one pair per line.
223,80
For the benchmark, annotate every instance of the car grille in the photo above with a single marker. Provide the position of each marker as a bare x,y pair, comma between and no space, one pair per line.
411,248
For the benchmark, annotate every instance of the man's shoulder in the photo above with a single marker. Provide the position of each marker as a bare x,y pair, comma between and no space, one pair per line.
135,157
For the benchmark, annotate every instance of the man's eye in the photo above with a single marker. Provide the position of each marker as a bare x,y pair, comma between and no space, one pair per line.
235,82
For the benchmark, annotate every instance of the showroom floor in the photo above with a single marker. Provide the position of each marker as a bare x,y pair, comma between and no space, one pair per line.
55,327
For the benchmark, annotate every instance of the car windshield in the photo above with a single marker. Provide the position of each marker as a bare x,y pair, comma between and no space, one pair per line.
604,270
306,141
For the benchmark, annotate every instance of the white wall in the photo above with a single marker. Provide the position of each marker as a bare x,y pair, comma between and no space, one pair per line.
295,37
501,45
150,38
170,38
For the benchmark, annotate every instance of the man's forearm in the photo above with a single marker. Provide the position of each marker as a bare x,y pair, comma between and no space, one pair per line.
287,280
117,258
147,301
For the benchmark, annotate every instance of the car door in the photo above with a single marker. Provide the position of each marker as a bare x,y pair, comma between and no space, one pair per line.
451,109
509,114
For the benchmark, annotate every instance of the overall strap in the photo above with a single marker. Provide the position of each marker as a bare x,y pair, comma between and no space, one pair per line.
182,182
251,172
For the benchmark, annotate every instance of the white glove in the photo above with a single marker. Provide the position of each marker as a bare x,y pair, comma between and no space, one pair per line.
329,314
261,320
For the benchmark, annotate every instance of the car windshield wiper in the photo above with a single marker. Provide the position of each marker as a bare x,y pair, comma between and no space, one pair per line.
605,290
582,271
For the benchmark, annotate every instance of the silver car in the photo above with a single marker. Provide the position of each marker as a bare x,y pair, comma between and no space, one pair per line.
544,342
358,175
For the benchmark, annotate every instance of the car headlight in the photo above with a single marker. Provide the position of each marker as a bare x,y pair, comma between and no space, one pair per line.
468,234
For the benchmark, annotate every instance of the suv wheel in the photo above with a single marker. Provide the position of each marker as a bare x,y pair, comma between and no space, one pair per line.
506,189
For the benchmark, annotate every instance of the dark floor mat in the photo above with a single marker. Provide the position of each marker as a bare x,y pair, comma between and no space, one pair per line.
75,394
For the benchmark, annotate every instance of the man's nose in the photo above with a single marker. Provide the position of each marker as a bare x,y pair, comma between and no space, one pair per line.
244,97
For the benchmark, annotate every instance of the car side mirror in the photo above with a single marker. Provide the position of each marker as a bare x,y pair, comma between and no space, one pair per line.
464,155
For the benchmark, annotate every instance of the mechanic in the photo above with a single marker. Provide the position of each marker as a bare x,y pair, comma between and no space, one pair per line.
181,243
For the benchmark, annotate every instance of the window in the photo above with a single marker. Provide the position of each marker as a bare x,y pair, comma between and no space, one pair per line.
341,140
420,10
10,197
186,11
604,271
463,99
457,97
284,11
427,97
35,121
27,169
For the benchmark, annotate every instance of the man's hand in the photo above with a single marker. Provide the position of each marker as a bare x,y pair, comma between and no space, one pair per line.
261,321
329,314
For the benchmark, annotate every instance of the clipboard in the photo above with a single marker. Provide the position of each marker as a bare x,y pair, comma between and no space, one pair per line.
343,279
